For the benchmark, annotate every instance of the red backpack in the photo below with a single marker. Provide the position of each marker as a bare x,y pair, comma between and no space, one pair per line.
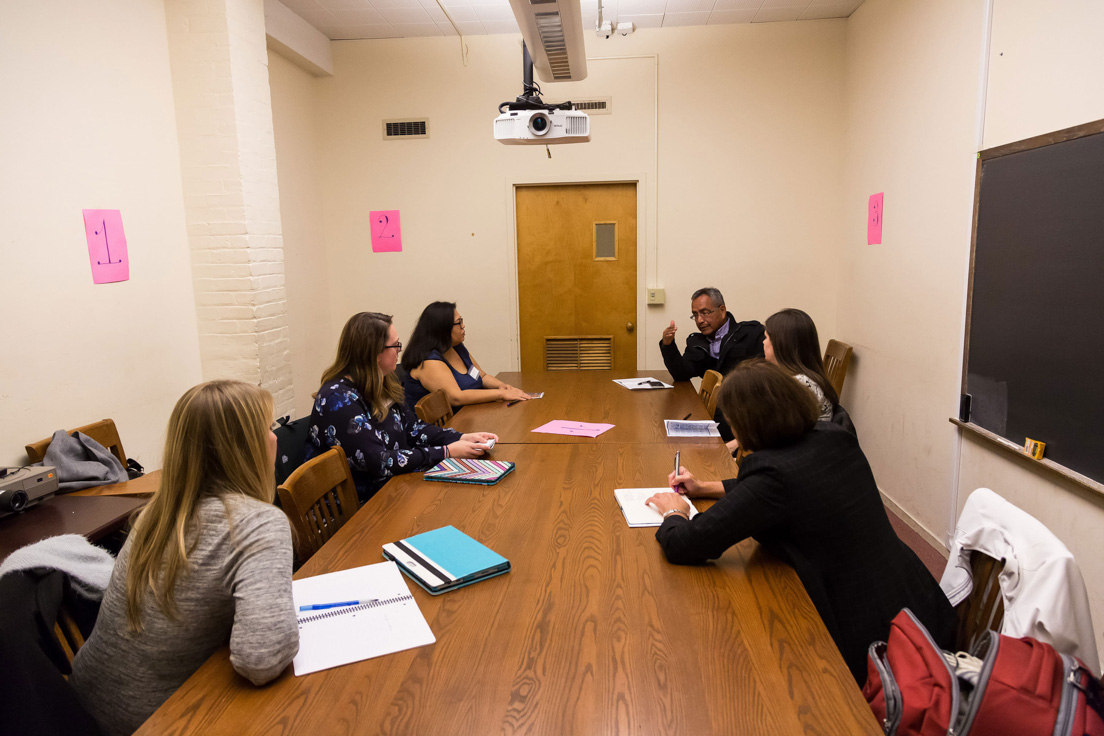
1019,686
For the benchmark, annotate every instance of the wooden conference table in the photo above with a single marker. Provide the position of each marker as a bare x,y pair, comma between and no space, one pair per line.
94,512
592,631
589,396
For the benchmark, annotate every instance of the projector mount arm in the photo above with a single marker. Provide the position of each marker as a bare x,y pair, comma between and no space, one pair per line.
530,99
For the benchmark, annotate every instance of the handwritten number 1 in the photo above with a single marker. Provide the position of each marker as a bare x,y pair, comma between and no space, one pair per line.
103,224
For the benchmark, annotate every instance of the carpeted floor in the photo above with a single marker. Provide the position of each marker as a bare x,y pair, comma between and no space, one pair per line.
934,559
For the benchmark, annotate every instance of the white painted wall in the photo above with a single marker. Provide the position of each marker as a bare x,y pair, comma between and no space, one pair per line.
912,102
750,120
88,122
310,325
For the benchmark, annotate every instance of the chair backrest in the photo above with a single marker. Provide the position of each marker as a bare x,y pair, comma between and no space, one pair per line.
102,431
711,381
434,408
984,608
837,359
318,498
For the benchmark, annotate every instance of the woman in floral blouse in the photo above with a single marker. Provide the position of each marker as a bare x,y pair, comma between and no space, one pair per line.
360,407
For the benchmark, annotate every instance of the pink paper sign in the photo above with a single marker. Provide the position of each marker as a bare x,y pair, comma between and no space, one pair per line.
573,429
107,246
386,235
874,219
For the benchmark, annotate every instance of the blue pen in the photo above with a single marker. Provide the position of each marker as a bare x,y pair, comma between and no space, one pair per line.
342,604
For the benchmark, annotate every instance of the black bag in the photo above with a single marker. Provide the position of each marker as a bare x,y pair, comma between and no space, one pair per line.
291,445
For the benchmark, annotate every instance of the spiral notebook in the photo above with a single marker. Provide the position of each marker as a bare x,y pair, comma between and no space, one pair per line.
384,619
458,470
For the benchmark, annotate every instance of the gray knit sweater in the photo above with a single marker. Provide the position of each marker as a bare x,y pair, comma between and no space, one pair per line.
238,588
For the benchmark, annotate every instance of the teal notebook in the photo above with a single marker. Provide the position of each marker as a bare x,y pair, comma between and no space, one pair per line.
445,559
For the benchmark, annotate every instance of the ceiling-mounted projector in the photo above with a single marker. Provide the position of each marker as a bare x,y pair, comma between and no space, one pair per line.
529,120
542,126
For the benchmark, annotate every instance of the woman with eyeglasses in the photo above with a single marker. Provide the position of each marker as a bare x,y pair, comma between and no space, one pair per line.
360,407
437,358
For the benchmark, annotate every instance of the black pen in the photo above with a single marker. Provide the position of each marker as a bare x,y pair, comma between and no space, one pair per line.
515,401
687,416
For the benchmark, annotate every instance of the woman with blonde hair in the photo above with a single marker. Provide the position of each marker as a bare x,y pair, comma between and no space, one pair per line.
207,561
360,407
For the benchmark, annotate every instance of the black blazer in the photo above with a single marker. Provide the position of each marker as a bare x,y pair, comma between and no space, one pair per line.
744,340
815,504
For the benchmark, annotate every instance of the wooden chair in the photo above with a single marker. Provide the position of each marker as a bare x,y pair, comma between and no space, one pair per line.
984,608
837,359
711,381
102,431
434,408
318,497
68,634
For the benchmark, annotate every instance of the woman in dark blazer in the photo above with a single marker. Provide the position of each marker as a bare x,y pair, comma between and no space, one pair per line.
806,493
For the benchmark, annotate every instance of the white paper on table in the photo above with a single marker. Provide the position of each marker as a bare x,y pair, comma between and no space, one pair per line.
641,384
705,428
638,513
337,636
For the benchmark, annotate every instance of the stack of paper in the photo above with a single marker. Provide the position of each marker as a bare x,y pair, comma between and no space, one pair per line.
676,428
573,429
639,384
638,513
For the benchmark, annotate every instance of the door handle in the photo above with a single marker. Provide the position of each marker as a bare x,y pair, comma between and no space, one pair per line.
630,327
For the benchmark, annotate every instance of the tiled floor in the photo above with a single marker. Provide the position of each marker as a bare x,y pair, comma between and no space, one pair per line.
934,559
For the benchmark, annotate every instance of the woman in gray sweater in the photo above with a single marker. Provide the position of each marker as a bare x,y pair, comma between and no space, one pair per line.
208,561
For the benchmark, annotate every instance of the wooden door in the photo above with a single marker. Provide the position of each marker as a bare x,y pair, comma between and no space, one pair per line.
577,270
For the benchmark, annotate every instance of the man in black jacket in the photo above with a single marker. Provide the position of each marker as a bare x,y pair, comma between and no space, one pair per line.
720,345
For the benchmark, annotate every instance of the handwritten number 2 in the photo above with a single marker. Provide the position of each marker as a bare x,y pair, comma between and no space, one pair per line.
386,222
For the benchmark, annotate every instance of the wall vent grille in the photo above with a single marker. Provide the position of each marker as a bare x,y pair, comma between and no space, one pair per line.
578,353
410,128
593,105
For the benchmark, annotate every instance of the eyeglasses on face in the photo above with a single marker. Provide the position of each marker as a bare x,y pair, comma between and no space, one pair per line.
703,313
458,323
397,346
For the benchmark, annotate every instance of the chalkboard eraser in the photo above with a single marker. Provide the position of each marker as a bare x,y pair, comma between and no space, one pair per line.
964,408
1034,448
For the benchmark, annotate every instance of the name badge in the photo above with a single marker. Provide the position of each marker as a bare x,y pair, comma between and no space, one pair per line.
473,372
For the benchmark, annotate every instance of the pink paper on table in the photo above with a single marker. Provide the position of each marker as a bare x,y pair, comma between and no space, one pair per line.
107,246
386,234
874,219
573,429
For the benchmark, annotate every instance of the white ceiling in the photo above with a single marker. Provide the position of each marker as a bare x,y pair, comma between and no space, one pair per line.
348,19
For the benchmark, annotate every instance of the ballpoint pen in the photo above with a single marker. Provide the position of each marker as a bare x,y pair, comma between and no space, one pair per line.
342,604
687,416
678,456
515,401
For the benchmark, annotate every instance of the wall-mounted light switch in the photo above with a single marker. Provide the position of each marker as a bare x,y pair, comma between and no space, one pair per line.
657,296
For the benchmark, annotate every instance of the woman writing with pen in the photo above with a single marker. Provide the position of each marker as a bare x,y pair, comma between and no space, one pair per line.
806,493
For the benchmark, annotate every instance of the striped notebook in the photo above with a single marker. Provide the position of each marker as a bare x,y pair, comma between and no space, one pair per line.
445,559
456,470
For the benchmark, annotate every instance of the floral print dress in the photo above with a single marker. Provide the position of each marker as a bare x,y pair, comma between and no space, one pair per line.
376,449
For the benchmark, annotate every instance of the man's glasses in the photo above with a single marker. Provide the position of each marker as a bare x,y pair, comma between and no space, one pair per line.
703,313
397,346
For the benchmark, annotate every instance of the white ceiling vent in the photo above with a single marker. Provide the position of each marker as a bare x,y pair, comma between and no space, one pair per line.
405,129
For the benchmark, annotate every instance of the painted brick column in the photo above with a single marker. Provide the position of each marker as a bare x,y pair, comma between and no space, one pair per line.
231,199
